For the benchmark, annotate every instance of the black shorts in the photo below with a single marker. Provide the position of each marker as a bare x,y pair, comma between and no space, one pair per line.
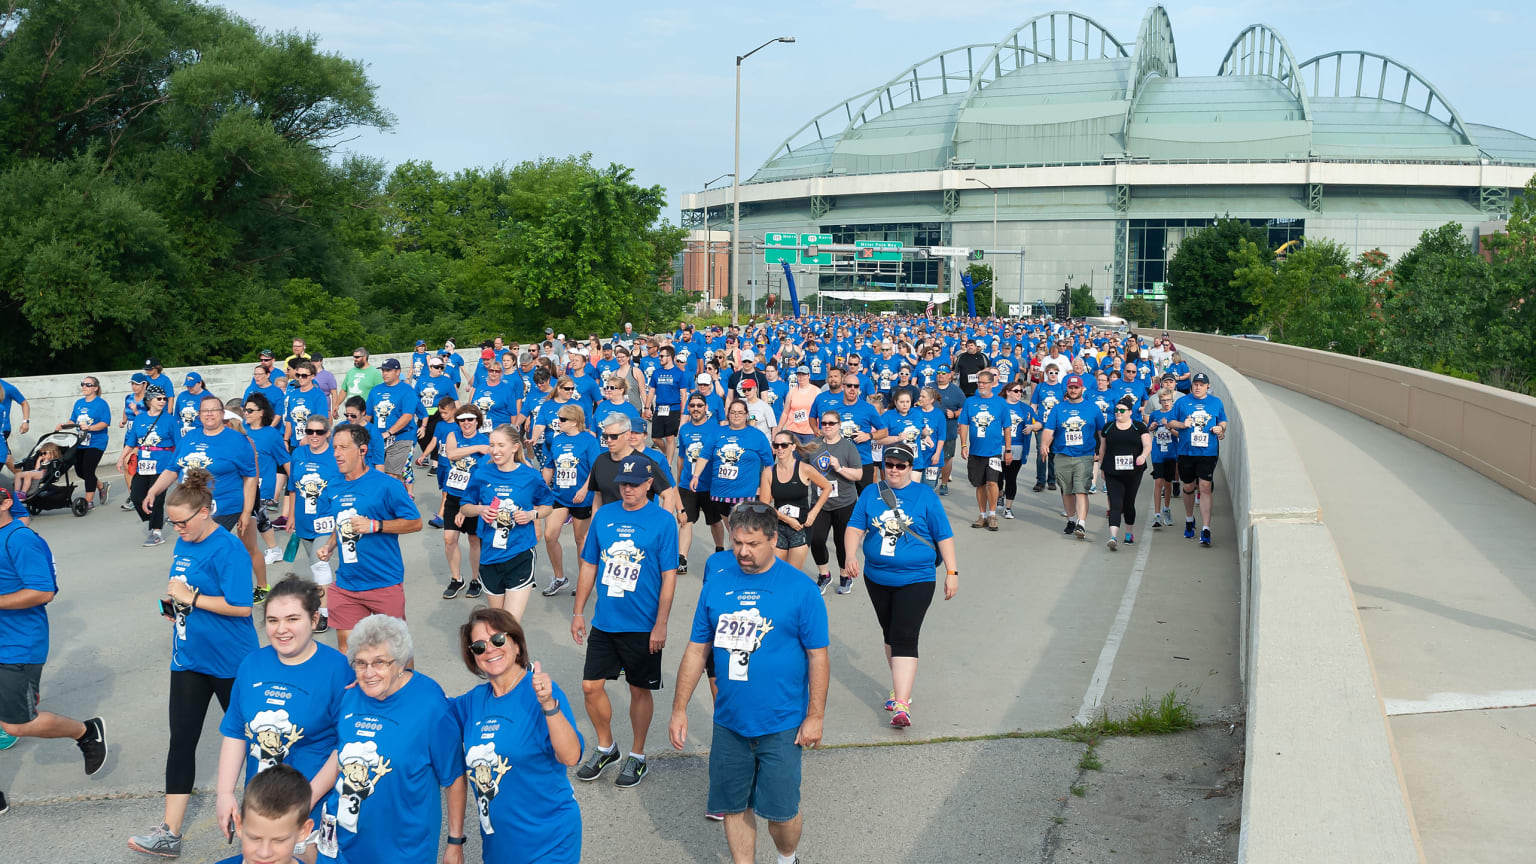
1192,468
1166,470
451,505
666,427
20,684
789,538
980,472
695,503
513,574
228,522
581,513
608,654
263,524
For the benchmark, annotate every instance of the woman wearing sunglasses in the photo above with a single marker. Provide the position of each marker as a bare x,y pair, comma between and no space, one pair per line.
615,402
1021,419
464,448
902,528
91,414
505,497
153,434
793,480
545,424
271,458
311,469
568,472
1125,446
740,457
518,739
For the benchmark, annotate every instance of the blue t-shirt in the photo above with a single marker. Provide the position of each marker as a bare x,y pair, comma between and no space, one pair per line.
884,370
387,403
89,412
522,488
270,453
497,404
522,793
1165,441
203,641
186,410
1104,400
604,408
155,437
287,714
984,418
588,388
669,385
310,474
274,395
1046,396
952,398
859,417
1075,428
570,461
395,753
302,404
693,442
457,472
9,396
432,388
891,557
228,456
1196,439
1180,368
909,428
759,627
631,550
26,562
367,561
738,457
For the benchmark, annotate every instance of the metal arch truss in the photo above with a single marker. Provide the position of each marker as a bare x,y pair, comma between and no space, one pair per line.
1122,199
1314,197
1155,55
692,218
1261,50
951,201
1382,70
1493,201
820,206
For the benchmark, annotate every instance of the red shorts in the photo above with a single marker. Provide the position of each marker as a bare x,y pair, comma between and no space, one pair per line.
350,607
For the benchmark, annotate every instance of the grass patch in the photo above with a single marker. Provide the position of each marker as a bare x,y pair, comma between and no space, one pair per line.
1079,790
1059,820
1090,760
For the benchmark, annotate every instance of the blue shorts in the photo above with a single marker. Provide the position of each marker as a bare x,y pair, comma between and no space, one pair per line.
760,774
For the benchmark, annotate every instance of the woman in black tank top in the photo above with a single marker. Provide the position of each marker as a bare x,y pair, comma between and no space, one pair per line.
792,482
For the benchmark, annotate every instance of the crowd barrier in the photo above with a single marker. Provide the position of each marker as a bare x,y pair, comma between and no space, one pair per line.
1321,780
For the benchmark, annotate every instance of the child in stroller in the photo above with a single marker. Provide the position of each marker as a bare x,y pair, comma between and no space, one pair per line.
26,479
44,474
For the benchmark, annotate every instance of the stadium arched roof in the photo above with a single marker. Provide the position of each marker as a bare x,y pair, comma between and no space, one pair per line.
1062,89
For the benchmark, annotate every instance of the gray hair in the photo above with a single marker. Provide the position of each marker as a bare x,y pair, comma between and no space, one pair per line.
759,519
616,422
362,351
386,631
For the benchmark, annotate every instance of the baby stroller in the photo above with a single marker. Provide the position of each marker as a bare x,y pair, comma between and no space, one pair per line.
56,490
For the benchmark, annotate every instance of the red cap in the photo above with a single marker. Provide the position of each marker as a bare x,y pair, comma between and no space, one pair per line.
748,384
1074,381
487,354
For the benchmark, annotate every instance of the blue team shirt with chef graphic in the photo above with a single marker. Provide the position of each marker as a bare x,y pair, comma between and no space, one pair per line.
89,412
286,715
738,457
203,641
310,474
387,403
1199,415
631,549
984,418
522,488
892,557
228,456
1074,427
155,437
367,561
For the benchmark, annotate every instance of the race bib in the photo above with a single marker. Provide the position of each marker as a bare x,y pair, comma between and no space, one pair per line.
327,831
931,473
791,510
728,471
458,478
565,476
146,466
486,426
832,493
995,463
799,415
1074,437
971,379
325,525
500,540
877,452
1199,439
349,551
736,631
620,577
663,410
309,505
981,432
1125,463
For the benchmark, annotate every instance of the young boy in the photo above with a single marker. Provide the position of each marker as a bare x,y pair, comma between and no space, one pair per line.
274,818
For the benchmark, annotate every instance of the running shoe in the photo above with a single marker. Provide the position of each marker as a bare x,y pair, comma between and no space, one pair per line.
126,505
1079,531
844,585
1176,490
280,523
715,817
1038,487
159,841
270,504
1189,530
981,522
556,587
992,522
259,594
154,537
273,555
632,772
475,588
1157,520
5,806
1066,515
102,489
323,624
1130,539
453,589
435,522
890,701
1068,530
1007,512
901,715
1051,486
822,581
682,565
1168,517
598,760
7,740
1205,537
943,488
93,745
1112,543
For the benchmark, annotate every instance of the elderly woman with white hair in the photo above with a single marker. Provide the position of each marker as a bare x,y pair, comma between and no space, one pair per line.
396,743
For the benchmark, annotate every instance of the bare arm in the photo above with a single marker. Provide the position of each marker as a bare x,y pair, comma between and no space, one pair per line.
26,598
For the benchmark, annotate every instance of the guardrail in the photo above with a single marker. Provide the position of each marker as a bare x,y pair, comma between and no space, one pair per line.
1321,780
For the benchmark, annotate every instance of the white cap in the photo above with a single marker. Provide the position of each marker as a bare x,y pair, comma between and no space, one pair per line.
560,336
748,355
703,379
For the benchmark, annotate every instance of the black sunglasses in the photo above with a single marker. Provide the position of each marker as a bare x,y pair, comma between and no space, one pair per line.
755,507
302,375
831,423
352,416
478,646
468,418
850,386
782,445
897,466
314,431
88,384
612,436
568,389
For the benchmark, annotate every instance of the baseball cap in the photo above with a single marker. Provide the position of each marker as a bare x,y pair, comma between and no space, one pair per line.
802,370
265,353
420,343
898,453
748,384
943,370
548,330
748,355
192,378
487,354
1074,381
1169,376
635,470
1200,378
152,362
391,363
139,378
703,378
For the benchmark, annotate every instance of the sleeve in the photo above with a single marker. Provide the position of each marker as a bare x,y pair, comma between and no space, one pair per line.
589,546
860,517
565,708
669,541
938,521
446,748
401,505
244,457
234,574
813,620
232,725
32,560
703,628
541,494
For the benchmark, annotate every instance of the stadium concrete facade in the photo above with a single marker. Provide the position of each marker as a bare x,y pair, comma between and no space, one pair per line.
1100,155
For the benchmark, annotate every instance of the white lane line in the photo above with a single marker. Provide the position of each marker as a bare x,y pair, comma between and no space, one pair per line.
1100,680
1441,703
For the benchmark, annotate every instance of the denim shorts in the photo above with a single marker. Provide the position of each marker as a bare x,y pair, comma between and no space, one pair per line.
760,774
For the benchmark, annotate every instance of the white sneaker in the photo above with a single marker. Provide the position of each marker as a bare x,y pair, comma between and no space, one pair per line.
1157,519
273,555
1007,512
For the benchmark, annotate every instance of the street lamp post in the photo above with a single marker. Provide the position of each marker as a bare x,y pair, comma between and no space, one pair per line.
736,189
994,242
709,246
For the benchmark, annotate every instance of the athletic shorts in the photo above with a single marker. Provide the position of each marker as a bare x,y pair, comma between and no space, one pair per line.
608,654
1074,474
695,503
949,449
1167,470
513,574
263,523
760,774
20,684
579,513
228,522
350,607
451,505
666,427
397,455
789,538
1192,468
979,470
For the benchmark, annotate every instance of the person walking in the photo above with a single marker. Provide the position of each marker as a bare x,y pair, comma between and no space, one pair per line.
1125,445
791,486
92,415
504,501
153,435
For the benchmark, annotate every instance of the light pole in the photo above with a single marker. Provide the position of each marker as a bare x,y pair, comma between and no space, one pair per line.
709,246
994,242
736,189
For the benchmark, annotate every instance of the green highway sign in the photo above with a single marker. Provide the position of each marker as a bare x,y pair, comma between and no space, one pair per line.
772,255
815,240
881,250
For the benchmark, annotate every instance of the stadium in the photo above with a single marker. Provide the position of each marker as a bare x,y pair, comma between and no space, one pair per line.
1069,154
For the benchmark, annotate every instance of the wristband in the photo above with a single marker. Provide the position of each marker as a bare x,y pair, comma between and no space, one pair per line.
455,841
550,712
953,572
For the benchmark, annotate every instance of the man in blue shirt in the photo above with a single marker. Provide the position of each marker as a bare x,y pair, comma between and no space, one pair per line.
986,444
634,543
1201,421
27,584
1043,398
9,396
952,400
766,625
394,407
1071,433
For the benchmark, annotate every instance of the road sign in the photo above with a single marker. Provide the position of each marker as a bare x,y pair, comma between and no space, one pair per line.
879,250
815,240
977,255
948,251
1020,311
780,256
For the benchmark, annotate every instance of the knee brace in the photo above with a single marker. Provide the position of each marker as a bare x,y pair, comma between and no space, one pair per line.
320,572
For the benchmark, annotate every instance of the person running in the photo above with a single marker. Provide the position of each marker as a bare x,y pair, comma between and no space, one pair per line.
861,425
92,415
615,401
930,456
263,382
284,705
792,482
505,498
666,407
1070,433
312,469
153,435
572,451
464,448
1021,419
212,633
1103,399
696,433
986,443
28,583
394,408
1165,459
759,413
633,542
1124,448
10,396
365,512
740,457
518,769
900,527
767,626
1201,421
1045,395
618,438
798,416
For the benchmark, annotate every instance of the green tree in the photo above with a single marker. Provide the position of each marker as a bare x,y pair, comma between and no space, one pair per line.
1438,313
1317,297
1084,303
1201,272
1511,322
1143,312
981,287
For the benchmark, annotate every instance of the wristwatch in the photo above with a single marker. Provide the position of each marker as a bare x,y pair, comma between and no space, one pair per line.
550,712
455,841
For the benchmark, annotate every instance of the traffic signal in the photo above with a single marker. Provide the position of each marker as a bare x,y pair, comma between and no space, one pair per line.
977,254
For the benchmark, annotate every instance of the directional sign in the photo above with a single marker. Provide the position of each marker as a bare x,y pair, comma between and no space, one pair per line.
815,240
948,251
880,250
781,255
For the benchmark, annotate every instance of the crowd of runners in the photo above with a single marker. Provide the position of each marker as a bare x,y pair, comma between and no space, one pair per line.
820,438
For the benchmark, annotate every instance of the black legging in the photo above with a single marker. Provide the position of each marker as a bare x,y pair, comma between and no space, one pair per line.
190,692
1122,496
86,460
834,522
1011,478
136,492
900,612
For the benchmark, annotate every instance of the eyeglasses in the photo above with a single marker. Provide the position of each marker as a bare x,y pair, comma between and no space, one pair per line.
86,384
376,665
250,410
897,466
568,389
302,375
478,646
468,418
607,436
354,416
314,431
850,386
182,523
831,423
782,445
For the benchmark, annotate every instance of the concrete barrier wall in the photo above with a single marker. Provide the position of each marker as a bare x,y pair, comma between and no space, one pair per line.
1321,781
1489,430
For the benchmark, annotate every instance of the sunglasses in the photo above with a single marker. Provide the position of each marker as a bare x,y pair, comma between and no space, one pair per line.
314,431
302,375
755,507
568,389
782,445
831,423
850,386
897,466
87,384
434,365
354,416
358,357
251,410
479,646
467,418
613,436
1122,410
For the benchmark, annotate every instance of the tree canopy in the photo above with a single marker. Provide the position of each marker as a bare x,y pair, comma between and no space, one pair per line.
1200,277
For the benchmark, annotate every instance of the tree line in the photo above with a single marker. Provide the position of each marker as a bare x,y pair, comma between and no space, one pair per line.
173,182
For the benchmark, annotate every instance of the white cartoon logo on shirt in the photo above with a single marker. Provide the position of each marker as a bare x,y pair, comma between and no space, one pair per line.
731,452
485,770
429,396
272,735
300,413
892,524
361,771
197,459
983,418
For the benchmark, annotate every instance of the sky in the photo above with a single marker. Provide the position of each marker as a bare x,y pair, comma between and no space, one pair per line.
651,85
